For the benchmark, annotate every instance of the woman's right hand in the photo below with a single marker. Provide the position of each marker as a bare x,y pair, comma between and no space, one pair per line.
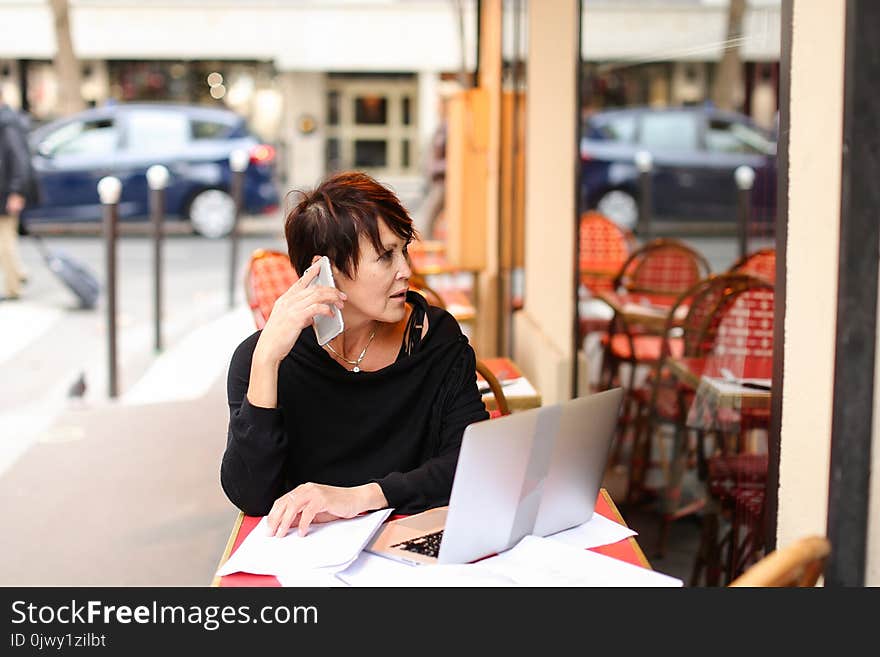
292,312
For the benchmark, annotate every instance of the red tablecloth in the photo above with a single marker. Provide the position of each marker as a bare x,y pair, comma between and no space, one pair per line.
625,550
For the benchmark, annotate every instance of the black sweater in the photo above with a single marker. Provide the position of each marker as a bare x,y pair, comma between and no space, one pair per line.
400,426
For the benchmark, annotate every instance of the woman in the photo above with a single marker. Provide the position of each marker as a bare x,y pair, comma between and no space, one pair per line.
375,417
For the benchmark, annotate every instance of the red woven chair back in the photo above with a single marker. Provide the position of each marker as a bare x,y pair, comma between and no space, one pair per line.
761,264
705,301
604,247
743,332
662,268
269,275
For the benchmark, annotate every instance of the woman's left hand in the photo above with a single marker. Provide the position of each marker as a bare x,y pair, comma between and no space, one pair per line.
308,503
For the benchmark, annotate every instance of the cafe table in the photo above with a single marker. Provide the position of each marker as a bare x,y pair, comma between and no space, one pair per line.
721,400
517,389
648,311
627,550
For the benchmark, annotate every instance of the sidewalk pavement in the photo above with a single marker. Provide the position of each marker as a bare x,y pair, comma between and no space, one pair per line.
127,492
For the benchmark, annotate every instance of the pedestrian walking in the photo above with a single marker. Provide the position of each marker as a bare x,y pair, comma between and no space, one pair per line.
15,173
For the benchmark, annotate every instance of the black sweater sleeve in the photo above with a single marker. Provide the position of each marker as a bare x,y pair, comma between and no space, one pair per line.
430,484
252,470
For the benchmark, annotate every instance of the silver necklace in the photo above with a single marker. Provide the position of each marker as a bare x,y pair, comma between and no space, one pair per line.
357,362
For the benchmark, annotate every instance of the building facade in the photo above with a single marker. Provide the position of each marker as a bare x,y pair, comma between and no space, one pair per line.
356,83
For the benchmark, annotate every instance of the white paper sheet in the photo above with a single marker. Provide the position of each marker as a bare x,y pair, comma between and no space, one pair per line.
370,570
316,577
518,387
534,561
331,544
598,530
537,561
736,387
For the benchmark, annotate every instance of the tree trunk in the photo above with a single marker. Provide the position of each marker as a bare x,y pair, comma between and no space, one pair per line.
67,68
727,92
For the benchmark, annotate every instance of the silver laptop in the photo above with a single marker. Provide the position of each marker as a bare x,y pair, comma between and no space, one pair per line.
533,472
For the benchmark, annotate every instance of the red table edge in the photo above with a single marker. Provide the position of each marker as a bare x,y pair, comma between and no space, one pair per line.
627,550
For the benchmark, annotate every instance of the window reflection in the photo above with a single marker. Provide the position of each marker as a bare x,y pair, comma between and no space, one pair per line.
371,110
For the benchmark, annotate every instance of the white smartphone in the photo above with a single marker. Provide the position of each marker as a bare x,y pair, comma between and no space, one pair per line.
326,328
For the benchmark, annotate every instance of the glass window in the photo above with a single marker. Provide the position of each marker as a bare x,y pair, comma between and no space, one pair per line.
730,137
669,131
82,138
370,153
331,151
371,110
333,108
622,128
404,154
150,132
208,130
406,109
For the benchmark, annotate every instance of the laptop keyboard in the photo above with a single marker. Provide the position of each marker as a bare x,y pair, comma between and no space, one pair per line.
429,544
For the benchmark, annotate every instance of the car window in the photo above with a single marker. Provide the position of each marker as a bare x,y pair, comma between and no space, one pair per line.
731,137
621,128
208,129
150,132
97,137
669,131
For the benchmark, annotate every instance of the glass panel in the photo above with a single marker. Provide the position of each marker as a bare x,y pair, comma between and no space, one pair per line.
404,154
333,108
156,131
208,129
371,110
82,138
406,109
332,154
619,128
370,153
669,131
728,137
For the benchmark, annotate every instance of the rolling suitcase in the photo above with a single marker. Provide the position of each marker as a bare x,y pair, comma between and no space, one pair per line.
75,276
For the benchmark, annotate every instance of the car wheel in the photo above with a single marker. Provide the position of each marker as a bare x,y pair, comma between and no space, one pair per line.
621,207
212,213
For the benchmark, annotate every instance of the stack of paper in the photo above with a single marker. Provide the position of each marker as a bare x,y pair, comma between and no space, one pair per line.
534,561
598,530
326,549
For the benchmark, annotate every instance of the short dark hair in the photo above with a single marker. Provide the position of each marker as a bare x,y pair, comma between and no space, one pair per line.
330,219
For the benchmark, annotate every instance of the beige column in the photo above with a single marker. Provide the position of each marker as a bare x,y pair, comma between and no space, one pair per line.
486,334
811,267
304,101
543,328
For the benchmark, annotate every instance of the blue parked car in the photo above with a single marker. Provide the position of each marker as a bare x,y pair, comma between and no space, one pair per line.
695,151
72,154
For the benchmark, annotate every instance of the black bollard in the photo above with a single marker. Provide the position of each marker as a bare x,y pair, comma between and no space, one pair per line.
157,180
109,189
645,164
745,179
238,162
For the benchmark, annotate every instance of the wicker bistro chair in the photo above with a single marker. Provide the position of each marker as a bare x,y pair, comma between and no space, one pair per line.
664,399
735,471
269,274
658,273
604,247
761,264
798,564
